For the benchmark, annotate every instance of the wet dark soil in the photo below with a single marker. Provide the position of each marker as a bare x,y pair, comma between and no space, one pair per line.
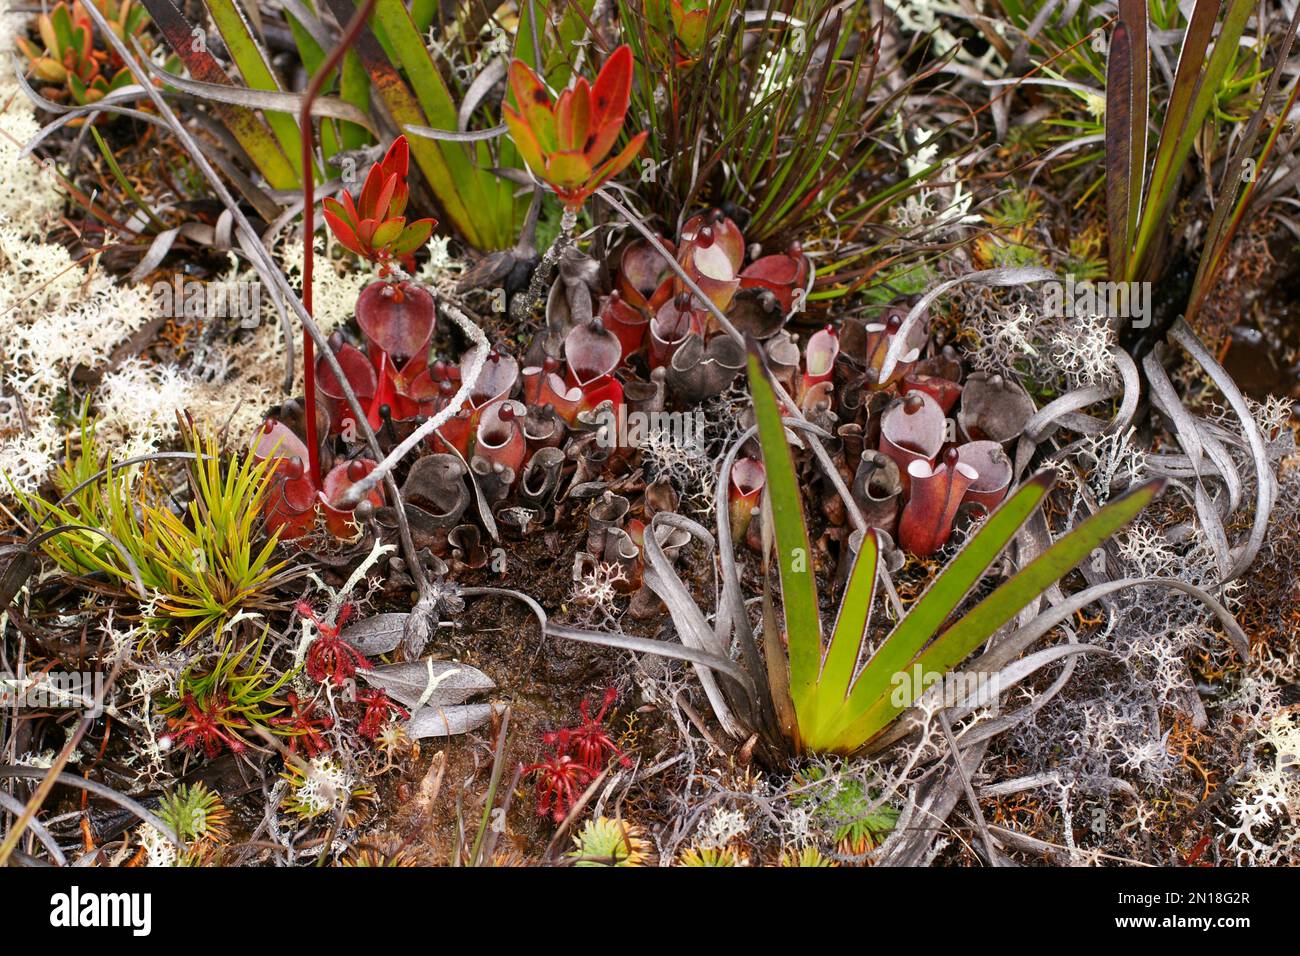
1263,348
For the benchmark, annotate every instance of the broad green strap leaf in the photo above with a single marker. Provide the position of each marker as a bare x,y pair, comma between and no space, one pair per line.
312,56
481,190
244,124
947,592
1191,57
794,554
354,88
953,646
852,622
256,71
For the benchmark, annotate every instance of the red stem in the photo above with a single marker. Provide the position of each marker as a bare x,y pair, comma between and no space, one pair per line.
350,34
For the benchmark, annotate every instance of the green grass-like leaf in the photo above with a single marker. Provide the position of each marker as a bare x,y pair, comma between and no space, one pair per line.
202,567
793,551
837,712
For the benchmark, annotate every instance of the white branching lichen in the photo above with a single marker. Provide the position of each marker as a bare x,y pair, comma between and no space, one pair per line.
596,593
138,404
323,787
721,827
1266,804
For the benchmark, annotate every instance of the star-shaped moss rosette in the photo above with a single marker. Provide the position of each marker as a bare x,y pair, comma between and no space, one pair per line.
373,227
565,142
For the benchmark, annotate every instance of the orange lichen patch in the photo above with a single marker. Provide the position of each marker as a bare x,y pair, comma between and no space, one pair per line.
1184,738
1022,812
1206,666
1085,621
176,333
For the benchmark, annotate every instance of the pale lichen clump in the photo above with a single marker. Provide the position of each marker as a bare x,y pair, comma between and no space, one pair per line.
56,315
138,403
1067,352
29,193
1262,828
336,283
721,827
596,594
318,787
942,205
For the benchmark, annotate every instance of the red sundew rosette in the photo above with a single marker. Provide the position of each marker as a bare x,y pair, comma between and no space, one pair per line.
782,274
374,227
990,461
341,521
937,493
629,324
290,504
912,430
565,143
747,480
360,375
500,437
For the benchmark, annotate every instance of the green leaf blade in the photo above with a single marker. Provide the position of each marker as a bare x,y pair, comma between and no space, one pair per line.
794,553
852,621
947,592
953,646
